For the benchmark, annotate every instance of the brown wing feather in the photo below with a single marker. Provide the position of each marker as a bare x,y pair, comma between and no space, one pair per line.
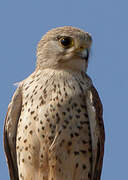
101,139
10,129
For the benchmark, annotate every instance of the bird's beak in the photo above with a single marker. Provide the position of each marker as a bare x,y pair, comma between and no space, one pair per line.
83,53
82,49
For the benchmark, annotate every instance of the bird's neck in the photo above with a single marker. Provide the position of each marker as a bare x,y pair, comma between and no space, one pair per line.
75,65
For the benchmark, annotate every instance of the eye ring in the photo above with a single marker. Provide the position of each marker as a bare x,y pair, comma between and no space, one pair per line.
66,42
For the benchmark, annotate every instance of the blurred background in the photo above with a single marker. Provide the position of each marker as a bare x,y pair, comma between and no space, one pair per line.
22,24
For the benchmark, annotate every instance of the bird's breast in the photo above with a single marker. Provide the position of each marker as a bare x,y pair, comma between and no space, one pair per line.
54,119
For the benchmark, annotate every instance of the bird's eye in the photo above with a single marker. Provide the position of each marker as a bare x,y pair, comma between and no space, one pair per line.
66,42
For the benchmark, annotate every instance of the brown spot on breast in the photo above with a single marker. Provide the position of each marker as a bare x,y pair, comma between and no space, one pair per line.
66,94
31,82
40,97
27,95
32,112
35,117
19,138
38,79
41,87
26,127
60,93
42,102
29,157
43,128
41,156
57,98
35,93
26,149
25,140
26,103
58,105
33,90
26,88
21,175
31,132
46,115
48,119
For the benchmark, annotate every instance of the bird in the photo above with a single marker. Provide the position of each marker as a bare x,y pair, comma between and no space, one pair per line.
54,126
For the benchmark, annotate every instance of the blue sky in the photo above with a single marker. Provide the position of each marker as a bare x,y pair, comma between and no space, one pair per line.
22,24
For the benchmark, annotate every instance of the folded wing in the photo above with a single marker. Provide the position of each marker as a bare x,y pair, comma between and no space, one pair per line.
10,131
95,112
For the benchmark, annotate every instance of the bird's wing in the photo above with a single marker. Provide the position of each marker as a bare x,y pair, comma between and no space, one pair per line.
10,130
95,112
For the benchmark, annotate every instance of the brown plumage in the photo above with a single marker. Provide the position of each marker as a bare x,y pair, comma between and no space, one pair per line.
54,127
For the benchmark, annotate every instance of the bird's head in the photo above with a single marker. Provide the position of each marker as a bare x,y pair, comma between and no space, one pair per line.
64,48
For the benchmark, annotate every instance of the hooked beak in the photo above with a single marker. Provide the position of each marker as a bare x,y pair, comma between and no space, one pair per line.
83,53
82,49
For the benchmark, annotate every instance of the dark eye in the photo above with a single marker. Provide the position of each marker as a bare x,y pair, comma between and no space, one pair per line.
66,42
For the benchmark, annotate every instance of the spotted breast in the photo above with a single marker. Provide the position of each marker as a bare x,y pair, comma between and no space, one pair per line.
56,135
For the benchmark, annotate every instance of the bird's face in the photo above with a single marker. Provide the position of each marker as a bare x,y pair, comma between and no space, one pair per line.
65,48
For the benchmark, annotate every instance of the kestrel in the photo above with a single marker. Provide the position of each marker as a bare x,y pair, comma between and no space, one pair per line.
54,128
